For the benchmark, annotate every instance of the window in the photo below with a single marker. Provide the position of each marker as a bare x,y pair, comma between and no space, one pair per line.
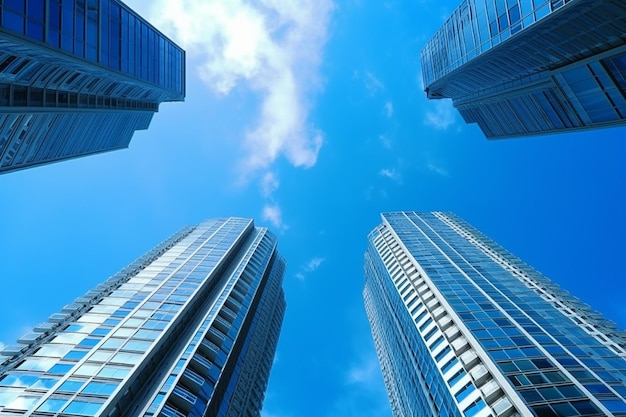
443,353
465,391
100,388
61,368
449,365
83,408
52,405
23,402
88,369
71,386
474,408
456,377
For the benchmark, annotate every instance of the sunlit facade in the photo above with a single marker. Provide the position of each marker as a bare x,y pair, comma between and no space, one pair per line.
527,67
464,328
189,329
79,77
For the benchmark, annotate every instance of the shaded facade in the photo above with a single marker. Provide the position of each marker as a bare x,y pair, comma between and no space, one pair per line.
189,329
464,328
79,77
526,67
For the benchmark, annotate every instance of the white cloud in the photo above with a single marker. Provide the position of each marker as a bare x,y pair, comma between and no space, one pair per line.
313,264
366,372
389,109
442,117
273,47
273,214
438,169
300,276
2,346
372,84
392,174
385,140
269,183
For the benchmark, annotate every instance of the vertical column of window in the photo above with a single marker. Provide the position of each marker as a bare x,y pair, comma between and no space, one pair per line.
161,61
125,41
104,32
54,23
35,20
145,42
67,25
461,23
471,40
79,28
152,56
482,25
114,36
13,13
493,21
526,11
138,45
503,19
92,31
514,16
451,39
180,63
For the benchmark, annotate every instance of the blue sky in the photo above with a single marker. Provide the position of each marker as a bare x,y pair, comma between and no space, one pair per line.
309,116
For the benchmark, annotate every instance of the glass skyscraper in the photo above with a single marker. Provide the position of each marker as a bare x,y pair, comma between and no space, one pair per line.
78,77
464,328
188,329
525,67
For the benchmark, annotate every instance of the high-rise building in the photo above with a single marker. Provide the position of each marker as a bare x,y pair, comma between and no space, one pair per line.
188,329
464,328
525,67
78,77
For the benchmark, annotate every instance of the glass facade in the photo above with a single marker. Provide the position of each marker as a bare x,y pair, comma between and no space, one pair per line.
60,58
476,332
189,329
523,67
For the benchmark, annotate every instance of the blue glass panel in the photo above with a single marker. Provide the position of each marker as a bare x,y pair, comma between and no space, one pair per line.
17,5
35,10
52,405
60,368
12,21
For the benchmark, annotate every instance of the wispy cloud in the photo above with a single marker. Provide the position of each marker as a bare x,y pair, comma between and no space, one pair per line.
385,140
365,394
313,264
273,214
443,115
439,170
392,174
273,47
372,84
269,184
389,109
365,372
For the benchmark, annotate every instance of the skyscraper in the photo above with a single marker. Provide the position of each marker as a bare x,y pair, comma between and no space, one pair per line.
525,67
78,77
188,329
464,328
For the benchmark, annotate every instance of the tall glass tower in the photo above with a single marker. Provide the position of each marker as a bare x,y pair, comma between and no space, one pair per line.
526,67
188,329
78,77
464,328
